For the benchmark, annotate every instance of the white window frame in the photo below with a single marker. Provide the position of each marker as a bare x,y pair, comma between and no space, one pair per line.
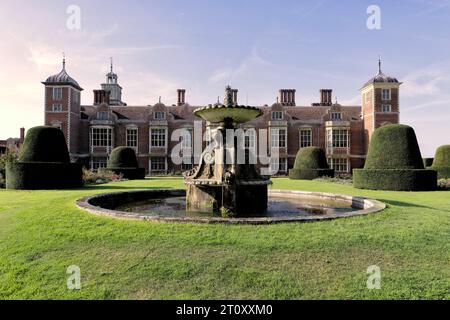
98,162
278,165
132,138
386,108
336,116
250,139
341,165
386,94
275,140
57,107
57,94
160,140
103,115
303,136
338,138
162,169
159,115
277,115
101,137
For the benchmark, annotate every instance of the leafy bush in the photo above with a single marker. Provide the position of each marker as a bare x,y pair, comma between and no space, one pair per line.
99,177
394,162
310,163
444,184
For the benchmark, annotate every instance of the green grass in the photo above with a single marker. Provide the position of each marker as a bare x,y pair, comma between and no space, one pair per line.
42,233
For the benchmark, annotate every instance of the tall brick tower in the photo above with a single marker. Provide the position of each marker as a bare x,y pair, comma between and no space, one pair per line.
62,107
380,102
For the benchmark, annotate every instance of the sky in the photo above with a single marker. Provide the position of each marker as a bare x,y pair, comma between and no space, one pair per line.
256,46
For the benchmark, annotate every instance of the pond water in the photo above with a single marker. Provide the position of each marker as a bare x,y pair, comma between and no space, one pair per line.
277,207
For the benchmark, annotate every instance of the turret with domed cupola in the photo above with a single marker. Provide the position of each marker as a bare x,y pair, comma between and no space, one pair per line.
380,102
62,106
112,85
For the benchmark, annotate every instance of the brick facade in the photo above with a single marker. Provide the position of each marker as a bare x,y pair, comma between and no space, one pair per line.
92,131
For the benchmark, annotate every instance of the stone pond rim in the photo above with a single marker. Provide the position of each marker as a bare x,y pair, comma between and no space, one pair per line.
92,205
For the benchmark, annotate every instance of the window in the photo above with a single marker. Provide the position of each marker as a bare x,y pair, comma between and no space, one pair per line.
158,164
339,164
305,138
277,115
336,116
57,93
250,139
337,138
98,162
132,138
278,138
101,137
386,108
159,115
158,138
386,94
102,115
278,165
186,142
57,108
75,96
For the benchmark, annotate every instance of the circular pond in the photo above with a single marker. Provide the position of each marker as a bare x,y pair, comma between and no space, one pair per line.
284,206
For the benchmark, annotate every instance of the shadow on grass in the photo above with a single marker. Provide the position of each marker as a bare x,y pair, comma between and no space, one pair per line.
410,205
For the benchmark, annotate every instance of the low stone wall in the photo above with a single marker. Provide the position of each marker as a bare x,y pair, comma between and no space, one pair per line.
102,204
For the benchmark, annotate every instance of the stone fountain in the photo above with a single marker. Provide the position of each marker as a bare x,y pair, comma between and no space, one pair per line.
219,183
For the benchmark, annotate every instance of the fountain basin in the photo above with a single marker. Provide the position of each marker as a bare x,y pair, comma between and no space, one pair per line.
218,113
167,205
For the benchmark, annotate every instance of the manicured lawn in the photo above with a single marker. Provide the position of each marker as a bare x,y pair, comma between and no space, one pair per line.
42,233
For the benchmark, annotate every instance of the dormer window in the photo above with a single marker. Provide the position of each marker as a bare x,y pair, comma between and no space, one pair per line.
277,115
386,94
103,115
158,115
336,116
57,93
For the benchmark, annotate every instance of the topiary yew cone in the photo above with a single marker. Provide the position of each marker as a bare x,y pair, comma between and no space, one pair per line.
394,147
44,163
394,162
44,144
441,162
310,163
123,157
123,161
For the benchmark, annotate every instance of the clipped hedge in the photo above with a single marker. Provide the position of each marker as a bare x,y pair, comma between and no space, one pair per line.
43,175
44,163
310,174
310,163
123,161
394,162
441,162
44,144
442,172
395,179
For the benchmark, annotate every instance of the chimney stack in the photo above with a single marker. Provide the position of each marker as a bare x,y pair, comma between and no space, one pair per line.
235,96
181,97
22,135
101,96
287,97
326,97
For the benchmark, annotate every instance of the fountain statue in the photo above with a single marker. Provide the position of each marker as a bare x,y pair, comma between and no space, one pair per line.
220,183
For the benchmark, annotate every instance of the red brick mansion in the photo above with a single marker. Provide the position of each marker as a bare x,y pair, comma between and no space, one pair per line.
92,131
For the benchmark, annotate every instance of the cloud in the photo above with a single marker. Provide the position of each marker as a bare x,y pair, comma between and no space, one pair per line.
248,64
